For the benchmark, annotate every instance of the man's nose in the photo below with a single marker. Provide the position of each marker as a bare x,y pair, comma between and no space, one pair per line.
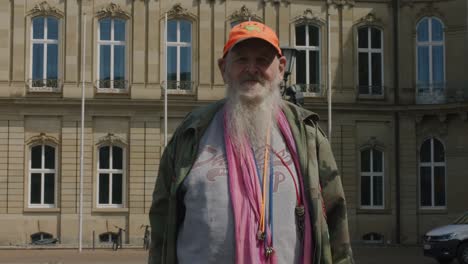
251,67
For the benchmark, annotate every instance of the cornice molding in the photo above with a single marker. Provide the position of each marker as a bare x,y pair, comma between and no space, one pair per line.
244,14
370,19
341,3
110,138
45,9
308,16
178,11
42,138
372,143
114,11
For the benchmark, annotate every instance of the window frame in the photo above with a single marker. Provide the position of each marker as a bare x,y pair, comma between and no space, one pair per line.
430,44
45,41
43,171
178,44
308,49
369,50
111,171
112,43
372,174
432,164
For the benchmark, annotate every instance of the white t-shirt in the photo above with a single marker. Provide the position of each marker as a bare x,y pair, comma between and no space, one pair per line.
207,233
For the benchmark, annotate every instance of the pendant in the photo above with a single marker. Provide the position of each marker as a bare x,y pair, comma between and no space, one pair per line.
260,235
269,251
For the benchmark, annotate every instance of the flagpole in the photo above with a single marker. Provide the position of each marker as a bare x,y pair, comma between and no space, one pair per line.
82,134
329,90
165,79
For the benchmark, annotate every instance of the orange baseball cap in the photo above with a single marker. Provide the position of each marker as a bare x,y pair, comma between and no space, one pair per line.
248,30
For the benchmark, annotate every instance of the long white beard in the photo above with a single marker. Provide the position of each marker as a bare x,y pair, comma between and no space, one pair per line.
251,119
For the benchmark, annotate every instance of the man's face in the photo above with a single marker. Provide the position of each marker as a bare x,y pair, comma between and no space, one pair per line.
250,68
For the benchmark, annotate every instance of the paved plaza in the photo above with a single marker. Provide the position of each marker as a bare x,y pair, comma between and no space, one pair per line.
363,255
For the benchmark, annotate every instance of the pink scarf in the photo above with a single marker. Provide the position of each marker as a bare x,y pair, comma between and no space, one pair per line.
246,193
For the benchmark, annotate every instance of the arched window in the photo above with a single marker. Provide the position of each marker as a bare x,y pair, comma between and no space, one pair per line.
42,176
372,179
112,55
432,173
44,53
370,60
430,54
179,55
111,176
308,57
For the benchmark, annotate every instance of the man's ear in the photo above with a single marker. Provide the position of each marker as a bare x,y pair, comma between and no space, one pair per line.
222,66
282,65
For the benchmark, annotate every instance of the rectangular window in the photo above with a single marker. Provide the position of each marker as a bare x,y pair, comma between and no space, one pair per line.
111,177
372,176
42,176
179,56
44,54
370,61
112,71
432,174
308,58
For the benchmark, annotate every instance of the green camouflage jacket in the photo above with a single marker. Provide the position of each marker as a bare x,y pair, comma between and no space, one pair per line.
329,232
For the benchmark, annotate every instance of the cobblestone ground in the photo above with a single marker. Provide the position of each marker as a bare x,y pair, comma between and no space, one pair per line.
363,255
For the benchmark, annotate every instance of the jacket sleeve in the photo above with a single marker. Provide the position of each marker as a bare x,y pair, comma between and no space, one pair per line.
160,205
334,203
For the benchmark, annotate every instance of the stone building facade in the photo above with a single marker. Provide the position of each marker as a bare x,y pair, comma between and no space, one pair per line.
399,124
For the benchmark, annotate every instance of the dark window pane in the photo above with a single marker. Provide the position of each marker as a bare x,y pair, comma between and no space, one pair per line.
365,160
117,189
314,67
365,190
185,64
313,36
103,188
378,191
119,65
38,27
185,31
104,157
363,40
439,186
439,153
438,75
119,29
104,63
172,63
423,30
425,154
426,191
49,155
376,69
437,30
52,61
376,38
52,28
364,69
301,67
36,157
35,188
117,156
377,160
300,35
423,65
49,188
105,28
38,62
172,30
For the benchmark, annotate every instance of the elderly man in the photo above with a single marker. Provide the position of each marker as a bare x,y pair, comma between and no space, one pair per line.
249,179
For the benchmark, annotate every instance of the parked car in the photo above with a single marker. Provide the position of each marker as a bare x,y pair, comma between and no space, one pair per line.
448,242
